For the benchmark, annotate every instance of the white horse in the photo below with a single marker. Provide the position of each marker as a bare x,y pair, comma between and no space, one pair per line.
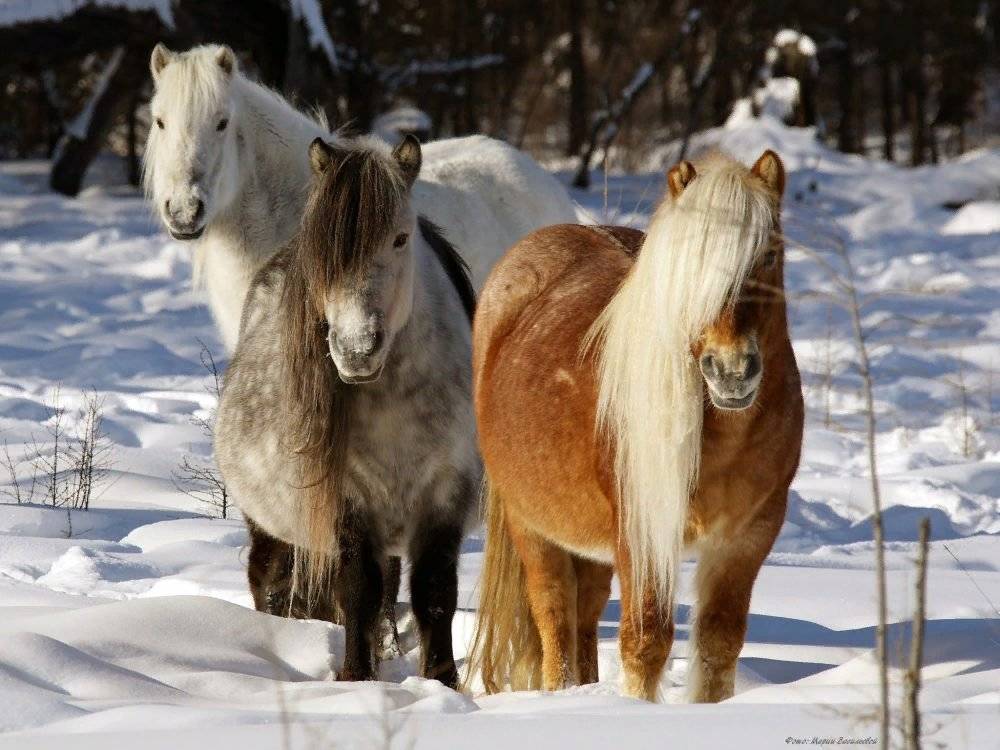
227,167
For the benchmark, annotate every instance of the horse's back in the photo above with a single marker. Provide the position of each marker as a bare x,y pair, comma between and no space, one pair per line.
533,387
486,195
570,268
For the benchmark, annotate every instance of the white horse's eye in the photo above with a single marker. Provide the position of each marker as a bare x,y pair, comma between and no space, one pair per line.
400,240
222,124
159,123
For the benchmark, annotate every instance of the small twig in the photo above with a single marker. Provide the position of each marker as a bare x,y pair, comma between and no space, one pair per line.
973,581
911,720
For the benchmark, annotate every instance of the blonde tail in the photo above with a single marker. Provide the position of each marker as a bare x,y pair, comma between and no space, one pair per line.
506,648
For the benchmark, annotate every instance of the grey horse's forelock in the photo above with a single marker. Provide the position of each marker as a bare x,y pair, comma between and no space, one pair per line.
350,212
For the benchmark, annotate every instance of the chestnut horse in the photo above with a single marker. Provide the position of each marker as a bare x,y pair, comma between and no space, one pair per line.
592,359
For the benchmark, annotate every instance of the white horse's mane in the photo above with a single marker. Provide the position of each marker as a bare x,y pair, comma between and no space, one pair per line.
696,255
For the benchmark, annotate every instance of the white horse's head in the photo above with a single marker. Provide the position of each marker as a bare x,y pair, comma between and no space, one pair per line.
191,155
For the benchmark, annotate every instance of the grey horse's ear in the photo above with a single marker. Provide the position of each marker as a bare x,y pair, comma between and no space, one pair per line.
320,155
226,59
407,155
159,59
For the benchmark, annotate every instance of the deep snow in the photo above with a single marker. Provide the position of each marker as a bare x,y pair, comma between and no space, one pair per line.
138,629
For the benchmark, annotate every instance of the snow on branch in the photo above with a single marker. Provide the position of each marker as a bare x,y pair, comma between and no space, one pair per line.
397,75
80,125
13,12
638,81
310,13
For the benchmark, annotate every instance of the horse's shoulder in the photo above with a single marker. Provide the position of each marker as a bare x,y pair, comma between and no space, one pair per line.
265,289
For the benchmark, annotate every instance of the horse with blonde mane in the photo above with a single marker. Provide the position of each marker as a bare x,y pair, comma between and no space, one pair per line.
637,397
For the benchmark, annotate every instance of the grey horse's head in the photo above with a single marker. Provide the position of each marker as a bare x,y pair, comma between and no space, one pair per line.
356,252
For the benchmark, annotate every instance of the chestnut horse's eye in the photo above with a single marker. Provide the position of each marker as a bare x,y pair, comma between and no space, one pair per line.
400,240
770,258
222,124
159,123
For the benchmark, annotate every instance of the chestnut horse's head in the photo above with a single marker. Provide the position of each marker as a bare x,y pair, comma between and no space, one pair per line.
690,316
728,351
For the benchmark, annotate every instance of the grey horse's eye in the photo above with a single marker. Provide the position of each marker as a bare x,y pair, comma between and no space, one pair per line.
222,124
400,240
159,123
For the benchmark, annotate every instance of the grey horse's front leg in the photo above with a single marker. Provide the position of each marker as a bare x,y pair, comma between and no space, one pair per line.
434,595
358,585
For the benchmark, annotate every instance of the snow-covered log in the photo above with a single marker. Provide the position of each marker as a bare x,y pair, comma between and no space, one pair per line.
84,137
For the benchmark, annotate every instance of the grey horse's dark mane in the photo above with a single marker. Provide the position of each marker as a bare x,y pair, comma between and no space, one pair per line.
350,210
454,264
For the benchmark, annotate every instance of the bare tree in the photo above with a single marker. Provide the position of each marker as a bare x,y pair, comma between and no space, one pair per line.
68,469
847,296
607,124
49,463
16,490
91,458
197,477
911,708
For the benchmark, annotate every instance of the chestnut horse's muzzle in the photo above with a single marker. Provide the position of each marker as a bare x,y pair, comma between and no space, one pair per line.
733,376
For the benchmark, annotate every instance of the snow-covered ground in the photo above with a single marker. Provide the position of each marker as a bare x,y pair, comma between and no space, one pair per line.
130,624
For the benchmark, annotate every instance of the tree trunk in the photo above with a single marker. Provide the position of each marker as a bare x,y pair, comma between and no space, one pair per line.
847,140
886,84
360,90
917,95
578,86
911,705
134,167
125,73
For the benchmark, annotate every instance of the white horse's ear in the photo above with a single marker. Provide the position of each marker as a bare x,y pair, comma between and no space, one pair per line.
226,59
407,155
320,155
159,59
679,177
770,169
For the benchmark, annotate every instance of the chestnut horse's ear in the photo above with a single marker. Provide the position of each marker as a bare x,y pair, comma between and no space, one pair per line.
407,155
320,155
226,60
159,59
770,169
679,177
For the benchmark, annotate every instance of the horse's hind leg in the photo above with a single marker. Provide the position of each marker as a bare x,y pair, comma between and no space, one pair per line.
645,636
727,568
593,587
358,588
434,596
269,571
551,588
